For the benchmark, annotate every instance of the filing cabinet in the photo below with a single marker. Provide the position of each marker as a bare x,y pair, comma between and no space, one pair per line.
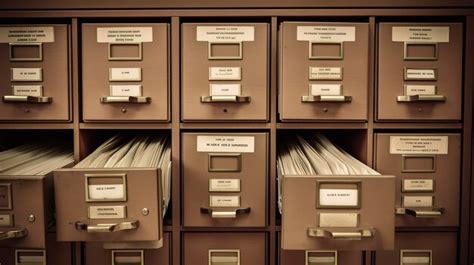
117,206
225,72
125,72
26,211
324,71
433,248
96,254
224,179
318,257
56,253
338,212
420,71
34,64
427,170
224,249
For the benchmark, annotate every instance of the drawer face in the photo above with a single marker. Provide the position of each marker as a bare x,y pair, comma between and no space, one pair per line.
96,254
437,248
337,212
428,172
125,80
224,249
88,199
225,186
324,71
20,199
224,72
35,84
56,253
420,78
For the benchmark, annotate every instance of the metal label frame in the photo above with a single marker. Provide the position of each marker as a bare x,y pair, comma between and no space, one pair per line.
358,183
33,59
124,183
315,57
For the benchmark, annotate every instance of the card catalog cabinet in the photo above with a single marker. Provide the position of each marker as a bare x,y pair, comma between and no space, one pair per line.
225,176
125,72
225,72
323,71
427,169
420,71
34,65
224,249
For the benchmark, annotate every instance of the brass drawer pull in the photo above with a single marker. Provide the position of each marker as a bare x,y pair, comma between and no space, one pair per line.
326,98
13,234
225,214
26,99
421,213
107,228
358,234
124,99
225,99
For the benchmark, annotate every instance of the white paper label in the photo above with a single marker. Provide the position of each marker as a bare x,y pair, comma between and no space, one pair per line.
411,90
338,219
26,74
326,89
125,74
224,201
420,74
225,73
224,185
325,33
426,185
416,260
339,197
5,220
126,90
428,145
225,90
420,34
23,90
106,192
225,33
26,34
325,73
225,144
107,212
417,201
125,35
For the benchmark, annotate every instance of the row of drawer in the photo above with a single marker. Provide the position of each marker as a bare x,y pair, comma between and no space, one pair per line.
323,72
434,248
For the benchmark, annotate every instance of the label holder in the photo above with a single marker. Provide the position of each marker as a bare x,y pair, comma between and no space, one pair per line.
211,168
131,58
406,57
340,56
91,176
214,258
33,59
126,260
417,98
358,184
20,260
313,260
212,57
9,196
325,79
406,78
405,261
325,98
430,170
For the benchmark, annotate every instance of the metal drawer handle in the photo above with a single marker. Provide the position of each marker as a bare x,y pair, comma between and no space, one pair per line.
225,214
422,98
326,98
341,235
124,99
13,234
225,99
27,99
107,228
421,213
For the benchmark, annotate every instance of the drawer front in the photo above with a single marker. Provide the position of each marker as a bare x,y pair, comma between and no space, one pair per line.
125,81
338,213
224,249
96,254
225,78
428,173
89,199
324,71
225,186
24,213
420,80
36,84
437,248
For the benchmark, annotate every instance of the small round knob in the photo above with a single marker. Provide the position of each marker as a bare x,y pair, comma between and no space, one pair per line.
124,110
31,218
420,109
325,110
145,211
27,110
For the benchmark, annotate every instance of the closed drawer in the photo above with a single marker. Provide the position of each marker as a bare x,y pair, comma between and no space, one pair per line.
420,71
225,176
337,212
36,73
438,248
109,205
428,172
94,253
224,249
26,208
224,72
324,71
125,79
